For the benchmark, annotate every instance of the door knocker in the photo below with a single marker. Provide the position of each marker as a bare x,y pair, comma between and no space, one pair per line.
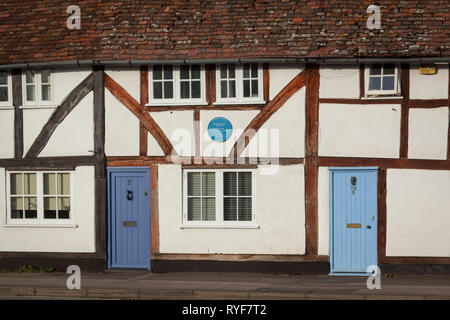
130,195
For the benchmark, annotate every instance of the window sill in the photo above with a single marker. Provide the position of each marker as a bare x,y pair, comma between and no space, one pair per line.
177,103
40,226
240,102
5,107
383,98
39,107
218,226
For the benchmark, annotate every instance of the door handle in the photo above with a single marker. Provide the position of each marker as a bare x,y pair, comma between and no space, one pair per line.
368,227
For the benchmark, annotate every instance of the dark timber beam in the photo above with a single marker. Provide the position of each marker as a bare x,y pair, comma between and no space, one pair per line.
59,115
18,113
47,163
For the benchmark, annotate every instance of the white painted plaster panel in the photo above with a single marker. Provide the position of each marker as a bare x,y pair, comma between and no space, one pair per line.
74,136
239,120
418,215
280,75
359,130
324,211
64,81
339,82
283,135
429,86
178,126
129,78
7,133
122,128
33,122
153,147
428,133
55,239
280,212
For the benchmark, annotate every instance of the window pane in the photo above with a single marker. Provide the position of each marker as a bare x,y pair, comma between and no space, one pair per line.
375,69
45,76
230,209
16,183
63,184
254,88
30,183
195,89
223,89
63,208
168,72
195,71
168,90
49,208
29,77
30,208
157,90
245,209
193,183
208,209
3,93
194,209
3,77
223,71
46,92
231,71
246,70
157,72
232,89
184,72
16,208
389,69
388,83
208,184
184,89
254,70
245,183
229,183
246,88
49,183
31,93
374,83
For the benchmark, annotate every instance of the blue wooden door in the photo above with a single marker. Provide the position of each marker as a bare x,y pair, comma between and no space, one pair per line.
353,204
129,218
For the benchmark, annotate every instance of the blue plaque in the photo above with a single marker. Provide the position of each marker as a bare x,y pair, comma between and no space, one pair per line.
219,129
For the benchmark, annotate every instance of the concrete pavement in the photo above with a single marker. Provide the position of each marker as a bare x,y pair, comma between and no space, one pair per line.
224,286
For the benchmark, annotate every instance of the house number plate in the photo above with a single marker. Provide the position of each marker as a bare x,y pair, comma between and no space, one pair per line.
354,225
129,223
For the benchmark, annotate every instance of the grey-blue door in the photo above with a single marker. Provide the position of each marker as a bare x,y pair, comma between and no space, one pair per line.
129,218
353,204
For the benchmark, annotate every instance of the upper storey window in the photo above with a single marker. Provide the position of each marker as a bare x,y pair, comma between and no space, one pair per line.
382,79
239,83
177,84
37,88
5,89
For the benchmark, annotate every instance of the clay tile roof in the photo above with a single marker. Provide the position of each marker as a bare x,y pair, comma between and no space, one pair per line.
35,31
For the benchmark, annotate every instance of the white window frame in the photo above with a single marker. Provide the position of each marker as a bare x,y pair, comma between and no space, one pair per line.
240,99
177,100
369,93
9,102
38,90
40,201
219,222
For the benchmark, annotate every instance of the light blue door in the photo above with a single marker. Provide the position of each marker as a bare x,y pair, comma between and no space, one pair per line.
353,206
128,218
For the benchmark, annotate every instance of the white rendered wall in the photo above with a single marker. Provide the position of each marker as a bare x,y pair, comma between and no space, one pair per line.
280,75
280,213
178,126
64,81
239,120
7,133
418,215
74,136
55,239
428,133
129,78
33,122
429,86
323,195
359,130
339,82
283,134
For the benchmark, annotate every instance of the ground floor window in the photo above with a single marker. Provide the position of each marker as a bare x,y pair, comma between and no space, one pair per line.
39,197
218,197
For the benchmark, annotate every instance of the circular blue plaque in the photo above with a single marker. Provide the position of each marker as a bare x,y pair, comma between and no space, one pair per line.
219,129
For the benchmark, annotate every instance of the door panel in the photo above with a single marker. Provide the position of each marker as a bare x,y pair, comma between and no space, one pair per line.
353,219
129,218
